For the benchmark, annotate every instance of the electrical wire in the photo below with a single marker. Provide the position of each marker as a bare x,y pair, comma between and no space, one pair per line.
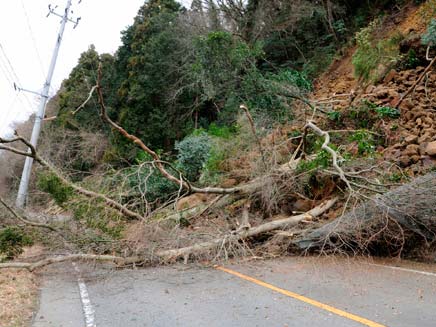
32,36
7,65
5,116
14,74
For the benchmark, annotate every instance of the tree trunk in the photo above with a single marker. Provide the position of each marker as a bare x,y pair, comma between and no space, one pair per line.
407,213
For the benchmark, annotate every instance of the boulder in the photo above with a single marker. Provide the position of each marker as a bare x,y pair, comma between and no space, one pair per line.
430,149
390,76
411,139
411,150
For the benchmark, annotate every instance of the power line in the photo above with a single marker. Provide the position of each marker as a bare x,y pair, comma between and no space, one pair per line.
10,80
6,72
4,120
10,64
32,36
11,72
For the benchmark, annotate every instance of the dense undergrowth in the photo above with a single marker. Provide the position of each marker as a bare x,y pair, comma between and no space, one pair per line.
178,81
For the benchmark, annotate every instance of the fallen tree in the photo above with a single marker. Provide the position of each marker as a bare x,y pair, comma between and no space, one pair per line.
403,219
185,252
32,153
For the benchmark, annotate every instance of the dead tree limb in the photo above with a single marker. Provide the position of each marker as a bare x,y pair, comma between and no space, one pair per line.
73,257
410,209
86,101
159,165
24,220
253,130
32,153
332,152
244,234
167,255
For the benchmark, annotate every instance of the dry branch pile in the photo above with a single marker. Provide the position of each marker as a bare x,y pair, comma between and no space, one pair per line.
403,219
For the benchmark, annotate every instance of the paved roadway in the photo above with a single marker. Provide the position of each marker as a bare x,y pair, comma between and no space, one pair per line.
286,292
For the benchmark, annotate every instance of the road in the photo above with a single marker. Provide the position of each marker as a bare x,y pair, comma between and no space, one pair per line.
286,292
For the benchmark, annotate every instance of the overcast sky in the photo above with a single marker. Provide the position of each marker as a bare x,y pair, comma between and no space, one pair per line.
27,39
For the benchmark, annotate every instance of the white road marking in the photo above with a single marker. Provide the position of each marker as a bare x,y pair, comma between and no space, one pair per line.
87,307
426,273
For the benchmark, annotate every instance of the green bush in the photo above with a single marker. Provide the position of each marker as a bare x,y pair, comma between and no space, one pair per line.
224,132
50,183
429,38
193,153
12,241
387,112
371,54
365,142
149,181
322,160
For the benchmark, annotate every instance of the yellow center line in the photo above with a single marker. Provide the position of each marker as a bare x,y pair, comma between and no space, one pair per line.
304,299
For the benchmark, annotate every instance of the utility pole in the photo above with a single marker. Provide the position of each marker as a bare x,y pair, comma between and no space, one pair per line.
25,177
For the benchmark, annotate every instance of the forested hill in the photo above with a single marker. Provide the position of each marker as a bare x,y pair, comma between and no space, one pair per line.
232,127
181,69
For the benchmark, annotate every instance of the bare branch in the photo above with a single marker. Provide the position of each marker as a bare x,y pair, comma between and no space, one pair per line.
86,101
136,140
23,220
332,152
410,90
34,154
186,251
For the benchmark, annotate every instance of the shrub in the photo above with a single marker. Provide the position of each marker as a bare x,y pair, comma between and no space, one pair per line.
224,132
388,112
372,54
12,241
429,38
194,151
50,183
365,142
322,160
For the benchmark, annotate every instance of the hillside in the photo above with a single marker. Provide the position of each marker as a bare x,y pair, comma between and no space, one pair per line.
209,136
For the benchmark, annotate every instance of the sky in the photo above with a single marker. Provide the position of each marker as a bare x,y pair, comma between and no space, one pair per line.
27,40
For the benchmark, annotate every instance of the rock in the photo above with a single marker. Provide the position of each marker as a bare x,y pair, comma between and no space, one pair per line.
414,159
390,76
422,147
411,150
382,94
404,161
428,162
411,139
407,104
426,137
430,149
370,89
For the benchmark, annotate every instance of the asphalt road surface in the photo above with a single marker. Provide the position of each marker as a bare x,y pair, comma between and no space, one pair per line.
286,292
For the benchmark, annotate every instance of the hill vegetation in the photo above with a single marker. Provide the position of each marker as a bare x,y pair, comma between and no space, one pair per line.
232,127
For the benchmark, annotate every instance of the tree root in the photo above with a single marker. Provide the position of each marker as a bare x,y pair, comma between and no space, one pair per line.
174,254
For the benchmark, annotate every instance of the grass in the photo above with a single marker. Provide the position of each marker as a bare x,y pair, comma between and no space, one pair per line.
18,293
